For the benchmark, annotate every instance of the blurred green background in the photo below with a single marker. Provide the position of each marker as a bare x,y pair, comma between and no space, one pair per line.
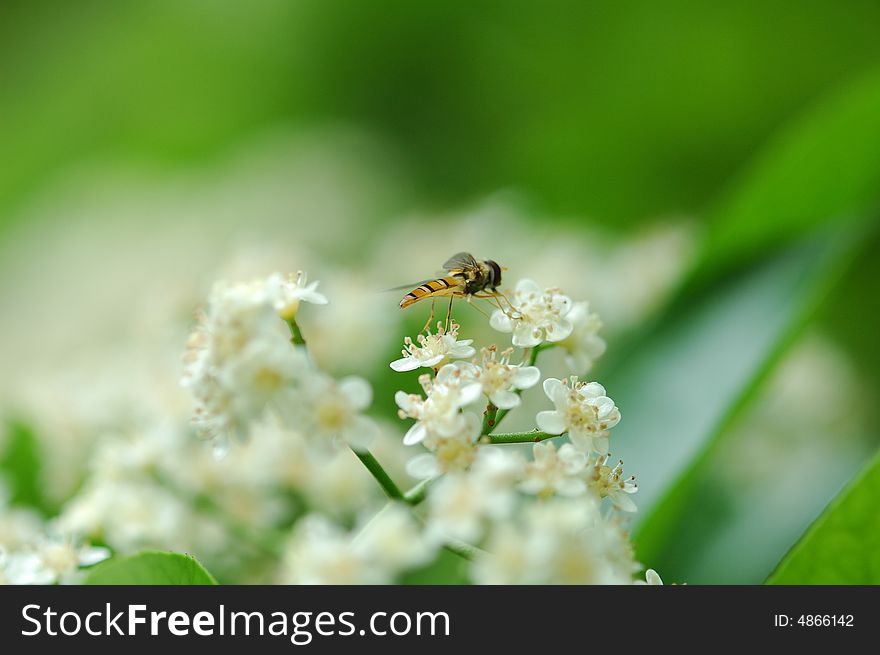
617,111
757,122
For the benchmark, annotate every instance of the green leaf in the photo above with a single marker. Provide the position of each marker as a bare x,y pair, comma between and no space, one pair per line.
676,387
843,544
682,387
150,568
692,370
21,468
826,164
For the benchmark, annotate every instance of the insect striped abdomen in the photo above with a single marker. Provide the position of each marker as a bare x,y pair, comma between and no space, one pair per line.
444,286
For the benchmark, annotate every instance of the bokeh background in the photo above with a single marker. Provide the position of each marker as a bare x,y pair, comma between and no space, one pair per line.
706,174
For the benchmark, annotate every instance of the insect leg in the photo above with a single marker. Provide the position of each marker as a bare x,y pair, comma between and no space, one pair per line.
506,299
476,306
494,296
430,317
449,313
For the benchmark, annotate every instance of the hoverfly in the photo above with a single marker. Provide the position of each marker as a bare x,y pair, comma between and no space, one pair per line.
467,278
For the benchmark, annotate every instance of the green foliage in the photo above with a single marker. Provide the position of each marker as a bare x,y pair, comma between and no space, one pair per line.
727,328
615,110
843,545
714,352
150,568
21,468
596,109
448,568
825,166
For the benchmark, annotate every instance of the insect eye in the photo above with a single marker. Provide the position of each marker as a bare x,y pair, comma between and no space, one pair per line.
494,272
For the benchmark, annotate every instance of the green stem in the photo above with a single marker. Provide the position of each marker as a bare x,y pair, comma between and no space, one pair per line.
531,436
418,493
296,336
489,419
463,550
382,477
530,361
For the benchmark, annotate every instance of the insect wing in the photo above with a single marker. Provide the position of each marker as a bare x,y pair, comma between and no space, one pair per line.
462,261
407,287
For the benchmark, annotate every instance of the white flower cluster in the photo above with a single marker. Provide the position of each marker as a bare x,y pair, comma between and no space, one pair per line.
534,519
320,552
241,366
239,359
443,424
50,560
31,553
539,316
560,541
539,519
433,350
583,411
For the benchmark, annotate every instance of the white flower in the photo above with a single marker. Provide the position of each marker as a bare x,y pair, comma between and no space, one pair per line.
433,349
583,410
288,291
499,378
457,508
438,413
238,360
460,504
609,483
651,578
452,453
558,541
328,412
320,552
337,486
555,472
393,540
584,345
51,560
348,336
538,315
128,514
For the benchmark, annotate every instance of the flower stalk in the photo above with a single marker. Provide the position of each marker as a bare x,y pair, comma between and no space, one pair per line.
375,468
296,336
418,493
532,436
530,360
489,418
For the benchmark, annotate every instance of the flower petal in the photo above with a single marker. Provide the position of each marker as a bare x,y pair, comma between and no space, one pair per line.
583,442
88,555
550,422
562,329
361,433
623,502
357,391
404,401
504,399
526,377
525,335
527,286
404,364
593,389
469,393
423,466
415,434
551,386
570,487
500,321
